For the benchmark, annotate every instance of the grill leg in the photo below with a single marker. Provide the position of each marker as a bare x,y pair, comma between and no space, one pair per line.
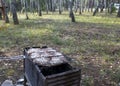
25,81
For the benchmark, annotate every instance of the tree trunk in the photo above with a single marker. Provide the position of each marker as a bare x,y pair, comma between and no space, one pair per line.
25,6
86,5
111,6
2,8
39,8
4,11
89,5
53,6
60,3
105,4
6,16
96,10
13,9
10,7
71,12
66,5
47,6
83,5
0,15
50,5
92,5
31,6
76,6
102,6
118,14
108,2
80,7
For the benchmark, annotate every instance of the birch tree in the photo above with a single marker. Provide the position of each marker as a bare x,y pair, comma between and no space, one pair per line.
53,5
39,8
14,13
80,7
97,8
0,15
71,14
26,6
5,11
60,6
47,5
118,14
6,16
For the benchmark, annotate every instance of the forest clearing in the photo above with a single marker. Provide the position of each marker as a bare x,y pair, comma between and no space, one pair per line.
93,41
91,37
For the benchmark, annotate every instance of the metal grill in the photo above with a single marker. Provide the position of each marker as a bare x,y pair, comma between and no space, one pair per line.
54,75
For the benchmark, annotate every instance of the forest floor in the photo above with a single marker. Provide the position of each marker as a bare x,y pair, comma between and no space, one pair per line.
93,41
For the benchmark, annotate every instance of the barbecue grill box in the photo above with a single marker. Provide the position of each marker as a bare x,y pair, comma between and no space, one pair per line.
59,75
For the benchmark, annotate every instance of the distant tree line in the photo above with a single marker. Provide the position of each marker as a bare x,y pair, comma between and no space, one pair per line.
72,6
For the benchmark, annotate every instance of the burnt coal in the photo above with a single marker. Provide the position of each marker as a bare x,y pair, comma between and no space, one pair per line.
46,71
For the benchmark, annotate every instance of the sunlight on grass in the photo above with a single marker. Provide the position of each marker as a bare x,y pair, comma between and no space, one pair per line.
37,32
3,25
56,17
105,42
98,19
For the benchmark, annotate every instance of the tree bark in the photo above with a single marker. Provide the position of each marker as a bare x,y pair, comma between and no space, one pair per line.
4,11
105,4
47,6
76,5
50,5
39,8
32,6
71,12
92,5
53,6
3,8
14,13
83,5
25,6
118,14
10,7
108,2
102,6
60,3
6,16
96,10
80,7
66,5
0,15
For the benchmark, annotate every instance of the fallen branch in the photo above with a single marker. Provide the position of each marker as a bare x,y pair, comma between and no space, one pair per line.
19,57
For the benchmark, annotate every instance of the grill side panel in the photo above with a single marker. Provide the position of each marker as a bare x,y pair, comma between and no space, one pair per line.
69,78
34,76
